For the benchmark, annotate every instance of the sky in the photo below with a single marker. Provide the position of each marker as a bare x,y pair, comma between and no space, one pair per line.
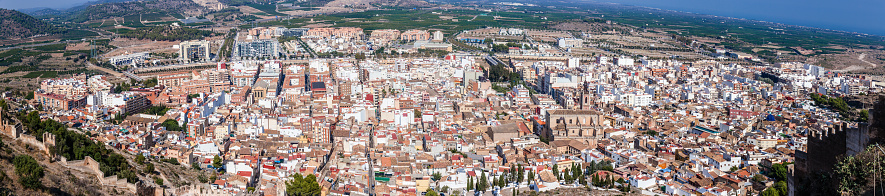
862,16
24,4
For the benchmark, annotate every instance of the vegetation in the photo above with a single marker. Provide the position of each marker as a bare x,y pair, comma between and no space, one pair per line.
171,125
29,171
156,110
855,175
76,146
266,8
20,25
303,186
51,47
158,180
430,192
17,55
152,82
837,104
172,161
216,162
131,11
167,33
41,74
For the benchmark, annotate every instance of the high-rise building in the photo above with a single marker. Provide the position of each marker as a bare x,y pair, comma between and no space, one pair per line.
258,48
438,36
191,51
415,35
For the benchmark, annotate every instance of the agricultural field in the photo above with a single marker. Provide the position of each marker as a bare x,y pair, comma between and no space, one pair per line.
23,68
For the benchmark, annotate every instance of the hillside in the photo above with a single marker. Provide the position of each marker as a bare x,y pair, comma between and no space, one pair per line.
120,9
18,25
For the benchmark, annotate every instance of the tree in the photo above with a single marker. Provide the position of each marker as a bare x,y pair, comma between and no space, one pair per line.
4,105
171,125
494,182
770,192
303,186
139,159
734,168
483,183
556,172
862,117
779,171
29,171
520,174
781,187
469,183
158,180
436,176
576,172
30,95
758,178
360,56
149,168
430,192
216,162
202,178
531,177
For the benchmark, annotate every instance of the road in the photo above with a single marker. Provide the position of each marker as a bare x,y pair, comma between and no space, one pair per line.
371,147
106,70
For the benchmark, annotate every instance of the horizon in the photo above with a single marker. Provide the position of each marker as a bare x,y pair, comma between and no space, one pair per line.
857,16
52,4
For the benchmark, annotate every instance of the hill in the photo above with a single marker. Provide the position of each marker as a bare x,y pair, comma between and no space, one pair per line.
18,25
120,9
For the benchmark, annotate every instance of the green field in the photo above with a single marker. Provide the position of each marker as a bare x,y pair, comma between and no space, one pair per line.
72,34
270,9
51,47
426,19
15,55
41,74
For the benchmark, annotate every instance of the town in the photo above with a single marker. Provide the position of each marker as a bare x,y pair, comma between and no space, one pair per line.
489,111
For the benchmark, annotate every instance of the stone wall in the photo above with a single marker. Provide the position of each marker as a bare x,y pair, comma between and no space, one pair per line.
92,167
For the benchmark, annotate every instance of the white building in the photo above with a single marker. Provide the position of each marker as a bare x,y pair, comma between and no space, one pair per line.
570,42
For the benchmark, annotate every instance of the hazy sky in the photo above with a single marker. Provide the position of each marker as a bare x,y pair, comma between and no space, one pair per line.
20,4
864,16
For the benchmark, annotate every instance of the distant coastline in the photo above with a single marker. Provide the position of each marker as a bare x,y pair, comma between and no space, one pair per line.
832,20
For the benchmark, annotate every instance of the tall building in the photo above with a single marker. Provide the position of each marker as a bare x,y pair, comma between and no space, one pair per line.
258,48
191,51
384,35
438,36
415,35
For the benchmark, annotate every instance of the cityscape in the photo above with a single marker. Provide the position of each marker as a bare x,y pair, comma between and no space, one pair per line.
430,98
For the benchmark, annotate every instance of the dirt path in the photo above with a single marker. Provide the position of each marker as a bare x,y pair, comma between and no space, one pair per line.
861,57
